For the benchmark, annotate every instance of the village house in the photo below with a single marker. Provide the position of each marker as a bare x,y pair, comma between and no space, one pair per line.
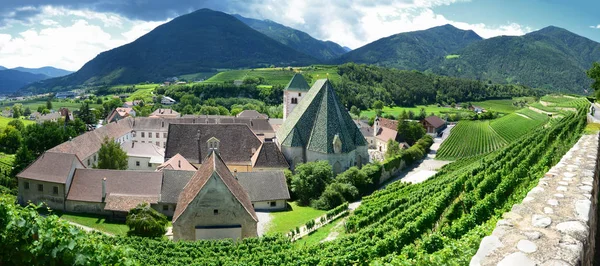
268,191
120,113
143,156
166,100
433,125
213,205
131,104
320,128
251,114
165,113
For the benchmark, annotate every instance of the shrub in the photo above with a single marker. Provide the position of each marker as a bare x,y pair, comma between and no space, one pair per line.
145,221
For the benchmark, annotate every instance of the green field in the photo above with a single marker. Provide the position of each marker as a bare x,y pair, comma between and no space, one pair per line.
97,222
283,222
198,76
56,104
432,108
470,138
6,162
4,121
277,76
143,92
322,233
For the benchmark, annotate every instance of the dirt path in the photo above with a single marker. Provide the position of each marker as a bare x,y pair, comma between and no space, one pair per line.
539,111
87,229
523,116
334,234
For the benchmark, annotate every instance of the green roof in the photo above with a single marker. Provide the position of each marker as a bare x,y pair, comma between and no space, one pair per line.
298,83
316,120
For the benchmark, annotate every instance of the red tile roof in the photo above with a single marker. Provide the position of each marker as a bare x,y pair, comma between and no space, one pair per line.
177,162
434,121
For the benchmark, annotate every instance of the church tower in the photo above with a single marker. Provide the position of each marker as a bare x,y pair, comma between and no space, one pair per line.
293,93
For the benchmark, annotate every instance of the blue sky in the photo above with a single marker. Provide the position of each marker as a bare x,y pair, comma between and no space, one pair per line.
68,33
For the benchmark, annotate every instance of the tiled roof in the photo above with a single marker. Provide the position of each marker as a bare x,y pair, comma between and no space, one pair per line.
173,183
146,150
298,83
385,134
177,162
237,142
87,184
258,125
388,123
51,167
317,119
435,121
213,166
251,114
364,128
165,113
269,156
264,185
124,202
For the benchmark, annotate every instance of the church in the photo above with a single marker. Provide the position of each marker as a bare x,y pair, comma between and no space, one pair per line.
317,127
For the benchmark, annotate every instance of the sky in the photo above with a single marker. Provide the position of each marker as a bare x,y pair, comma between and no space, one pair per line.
68,33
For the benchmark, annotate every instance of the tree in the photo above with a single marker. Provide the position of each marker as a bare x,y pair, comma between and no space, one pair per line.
378,105
111,156
40,109
335,194
86,115
356,178
49,104
310,180
410,131
145,221
354,110
17,110
23,158
10,139
27,111
594,73
393,149
18,124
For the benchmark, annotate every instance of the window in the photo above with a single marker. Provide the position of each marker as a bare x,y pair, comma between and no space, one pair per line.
273,203
165,135
88,161
157,135
149,164
158,143
294,100
143,141
40,187
299,94
55,190
95,157
162,124
165,207
137,163
164,145
143,134
26,185
133,133
216,212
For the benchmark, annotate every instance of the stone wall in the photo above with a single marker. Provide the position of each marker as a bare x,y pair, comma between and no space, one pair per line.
556,223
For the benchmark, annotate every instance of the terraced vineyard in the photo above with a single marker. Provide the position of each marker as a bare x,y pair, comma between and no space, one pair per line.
513,126
470,138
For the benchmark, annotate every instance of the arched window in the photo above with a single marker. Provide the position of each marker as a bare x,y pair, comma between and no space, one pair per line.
294,100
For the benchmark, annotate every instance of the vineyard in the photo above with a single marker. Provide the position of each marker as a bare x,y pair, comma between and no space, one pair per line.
470,138
6,162
439,221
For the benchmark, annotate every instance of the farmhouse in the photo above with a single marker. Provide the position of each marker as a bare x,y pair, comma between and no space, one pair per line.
213,205
384,130
320,128
251,114
120,113
165,113
267,190
434,125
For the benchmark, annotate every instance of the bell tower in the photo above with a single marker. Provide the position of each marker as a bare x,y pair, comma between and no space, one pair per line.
293,93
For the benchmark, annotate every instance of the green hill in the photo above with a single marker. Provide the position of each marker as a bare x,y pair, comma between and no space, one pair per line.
298,40
11,80
192,43
551,58
412,50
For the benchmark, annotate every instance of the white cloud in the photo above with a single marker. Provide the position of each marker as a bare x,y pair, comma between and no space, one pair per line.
360,22
48,43
595,27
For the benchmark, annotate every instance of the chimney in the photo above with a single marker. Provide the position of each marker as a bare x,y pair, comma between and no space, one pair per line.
103,189
235,174
132,144
179,164
376,127
199,147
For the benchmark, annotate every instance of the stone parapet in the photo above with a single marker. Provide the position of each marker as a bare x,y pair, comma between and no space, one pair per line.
556,222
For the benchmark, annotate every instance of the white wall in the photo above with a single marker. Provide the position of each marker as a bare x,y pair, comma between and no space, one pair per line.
266,205
143,161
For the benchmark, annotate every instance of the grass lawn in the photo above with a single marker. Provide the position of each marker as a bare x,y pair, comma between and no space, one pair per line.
56,104
317,236
502,106
143,93
4,121
97,222
198,76
283,222
277,76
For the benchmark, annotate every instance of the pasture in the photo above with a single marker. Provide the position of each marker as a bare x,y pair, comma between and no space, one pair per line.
4,121
277,76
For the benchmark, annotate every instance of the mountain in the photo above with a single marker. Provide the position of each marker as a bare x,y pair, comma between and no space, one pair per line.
48,71
201,41
347,48
11,80
2,68
412,50
299,40
551,58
